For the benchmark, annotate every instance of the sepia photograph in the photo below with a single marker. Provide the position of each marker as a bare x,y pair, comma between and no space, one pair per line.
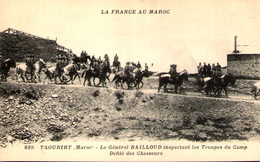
141,80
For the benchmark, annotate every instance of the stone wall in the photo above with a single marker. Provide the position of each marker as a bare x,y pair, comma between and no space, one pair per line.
244,65
19,46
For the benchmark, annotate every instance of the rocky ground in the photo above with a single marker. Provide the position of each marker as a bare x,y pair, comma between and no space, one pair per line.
39,112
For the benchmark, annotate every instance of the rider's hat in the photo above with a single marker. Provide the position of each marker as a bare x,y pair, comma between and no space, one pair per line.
173,65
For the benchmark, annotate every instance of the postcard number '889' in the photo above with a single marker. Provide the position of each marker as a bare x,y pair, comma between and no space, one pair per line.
28,147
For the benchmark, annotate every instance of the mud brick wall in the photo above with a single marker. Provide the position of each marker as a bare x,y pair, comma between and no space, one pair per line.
244,65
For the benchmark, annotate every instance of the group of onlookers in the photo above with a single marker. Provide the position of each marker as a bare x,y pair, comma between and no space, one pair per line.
208,69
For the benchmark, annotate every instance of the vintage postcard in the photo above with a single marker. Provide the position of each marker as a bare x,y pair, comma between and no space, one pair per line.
140,80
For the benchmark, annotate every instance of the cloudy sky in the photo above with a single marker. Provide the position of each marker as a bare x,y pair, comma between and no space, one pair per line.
194,31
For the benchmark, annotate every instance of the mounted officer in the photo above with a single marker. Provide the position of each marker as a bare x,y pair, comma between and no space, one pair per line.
30,61
138,66
116,62
173,72
59,64
128,70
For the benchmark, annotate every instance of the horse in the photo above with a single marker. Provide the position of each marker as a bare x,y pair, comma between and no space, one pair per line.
4,69
102,75
218,84
39,66
200,82
51,73
22,70
256,90
212,85
139,75
124,80
87,74
71,72
226,80
118,78
177,81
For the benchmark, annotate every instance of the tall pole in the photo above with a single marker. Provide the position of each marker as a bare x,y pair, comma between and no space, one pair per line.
235,45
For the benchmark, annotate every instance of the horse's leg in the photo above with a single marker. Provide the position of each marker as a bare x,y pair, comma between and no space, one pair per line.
25,74
137,85
71,78
22,76
165,88
159,87
107,77
84,81
79,78
176,88
142,84
225,89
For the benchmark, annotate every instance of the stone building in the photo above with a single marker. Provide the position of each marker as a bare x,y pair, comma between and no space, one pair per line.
244,65
17,44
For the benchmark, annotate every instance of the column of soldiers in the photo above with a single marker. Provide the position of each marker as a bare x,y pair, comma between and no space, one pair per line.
209,70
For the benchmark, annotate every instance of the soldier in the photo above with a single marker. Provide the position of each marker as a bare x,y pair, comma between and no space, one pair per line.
116,63
173,72
107,63
59,65
218,67
138,65
96,66
93,59
86,65
106,57
146,67
116,58
213,69
204,69
208,70
127,69
199,68
99,60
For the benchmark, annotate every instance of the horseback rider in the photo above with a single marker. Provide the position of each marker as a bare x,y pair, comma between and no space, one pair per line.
96,66
85,65
218,67
204,69
128,70
138,66
59,64
93,59
173,72
146,67
30,61
116,63
208,70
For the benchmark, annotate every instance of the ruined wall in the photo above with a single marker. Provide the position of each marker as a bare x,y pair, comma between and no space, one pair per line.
18,46
244,65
